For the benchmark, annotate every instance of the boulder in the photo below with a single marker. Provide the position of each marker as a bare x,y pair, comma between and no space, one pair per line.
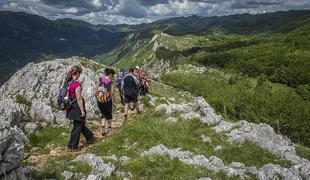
12,141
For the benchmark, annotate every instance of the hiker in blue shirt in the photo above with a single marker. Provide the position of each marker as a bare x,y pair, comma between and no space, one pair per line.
130,89
118,82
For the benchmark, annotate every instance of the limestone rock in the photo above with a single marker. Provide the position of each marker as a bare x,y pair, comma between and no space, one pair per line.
40,84
30,127
100,169
190,116
172,119
12,141
67,175
206,139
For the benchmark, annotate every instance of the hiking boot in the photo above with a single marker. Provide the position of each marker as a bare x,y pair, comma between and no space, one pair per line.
104,131
109,129
92,141
72,149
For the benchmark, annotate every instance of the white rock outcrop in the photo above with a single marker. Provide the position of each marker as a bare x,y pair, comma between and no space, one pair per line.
261,134
215,164
100,169
40,83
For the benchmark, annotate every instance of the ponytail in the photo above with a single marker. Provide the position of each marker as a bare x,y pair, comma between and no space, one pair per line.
73,71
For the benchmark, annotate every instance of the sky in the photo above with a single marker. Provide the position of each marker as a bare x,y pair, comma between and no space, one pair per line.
145,11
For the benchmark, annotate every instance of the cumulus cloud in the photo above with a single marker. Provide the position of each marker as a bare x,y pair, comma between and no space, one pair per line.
141,11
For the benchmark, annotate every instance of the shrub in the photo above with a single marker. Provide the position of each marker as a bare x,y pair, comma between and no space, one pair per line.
20,99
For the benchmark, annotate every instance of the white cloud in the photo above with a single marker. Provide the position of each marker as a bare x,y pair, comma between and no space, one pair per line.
183,7
71,10
97,3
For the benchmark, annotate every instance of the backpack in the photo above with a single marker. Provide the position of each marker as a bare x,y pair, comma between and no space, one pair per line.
63,100
103,95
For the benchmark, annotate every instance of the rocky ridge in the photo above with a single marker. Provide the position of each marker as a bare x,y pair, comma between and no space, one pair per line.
261,134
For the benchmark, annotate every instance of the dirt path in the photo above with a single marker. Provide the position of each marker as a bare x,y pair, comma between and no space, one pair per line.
58,151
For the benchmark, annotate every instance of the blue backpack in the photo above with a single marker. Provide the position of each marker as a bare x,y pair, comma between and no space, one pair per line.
63,100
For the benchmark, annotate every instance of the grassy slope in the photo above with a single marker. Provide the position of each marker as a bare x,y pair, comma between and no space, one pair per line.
150,129
281,58
238,97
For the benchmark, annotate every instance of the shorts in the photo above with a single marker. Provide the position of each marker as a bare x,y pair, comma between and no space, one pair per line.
131,98
105,110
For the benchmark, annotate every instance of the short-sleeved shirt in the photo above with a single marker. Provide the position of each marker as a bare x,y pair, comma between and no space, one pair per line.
130,84
72,88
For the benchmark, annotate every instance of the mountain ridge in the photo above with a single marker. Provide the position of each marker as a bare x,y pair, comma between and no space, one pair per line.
26,37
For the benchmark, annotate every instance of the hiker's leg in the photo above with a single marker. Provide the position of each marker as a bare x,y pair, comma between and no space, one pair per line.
102,123
126,109
87,133
102,111
136,103
75,135
137,107
109,125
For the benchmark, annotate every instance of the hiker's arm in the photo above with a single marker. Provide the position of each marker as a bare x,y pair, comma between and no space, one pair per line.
97,86
112,93
122,85
137,82
79,99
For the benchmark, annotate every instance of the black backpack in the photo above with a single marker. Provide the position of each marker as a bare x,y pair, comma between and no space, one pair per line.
63,100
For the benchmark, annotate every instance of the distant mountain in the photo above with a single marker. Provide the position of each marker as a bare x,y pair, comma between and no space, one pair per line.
236,24
25,37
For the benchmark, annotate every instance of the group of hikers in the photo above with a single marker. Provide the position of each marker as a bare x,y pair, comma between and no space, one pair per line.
130,85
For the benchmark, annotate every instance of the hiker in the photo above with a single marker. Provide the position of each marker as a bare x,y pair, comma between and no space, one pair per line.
76,111
104,95
118,81
144,82
137,72
130,89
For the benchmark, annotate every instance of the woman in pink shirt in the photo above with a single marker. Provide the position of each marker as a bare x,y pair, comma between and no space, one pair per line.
77,111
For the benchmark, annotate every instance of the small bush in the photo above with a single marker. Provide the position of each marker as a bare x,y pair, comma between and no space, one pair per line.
22,100
92,65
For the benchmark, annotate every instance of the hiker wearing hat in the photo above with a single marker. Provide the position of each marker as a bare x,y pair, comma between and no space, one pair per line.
104,96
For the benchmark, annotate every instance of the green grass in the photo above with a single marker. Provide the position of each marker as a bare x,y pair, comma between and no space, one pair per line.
257,100
157,167
163,91
80,167
53,168
150,129
48,135
92,65
20,99
303,151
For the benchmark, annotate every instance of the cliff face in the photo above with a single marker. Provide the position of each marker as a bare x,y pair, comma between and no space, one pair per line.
39,84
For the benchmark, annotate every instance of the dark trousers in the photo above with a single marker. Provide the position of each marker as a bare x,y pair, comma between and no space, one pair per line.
78,127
